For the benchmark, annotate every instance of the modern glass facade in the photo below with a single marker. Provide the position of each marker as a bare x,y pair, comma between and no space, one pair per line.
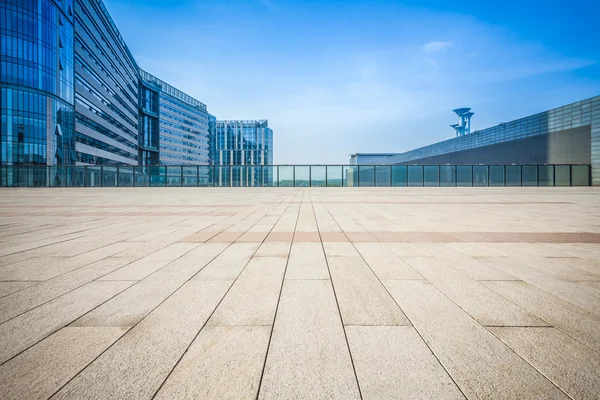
183,124
106,89
36,83
243,143
566,120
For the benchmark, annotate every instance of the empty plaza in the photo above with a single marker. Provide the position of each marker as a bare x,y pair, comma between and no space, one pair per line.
300,293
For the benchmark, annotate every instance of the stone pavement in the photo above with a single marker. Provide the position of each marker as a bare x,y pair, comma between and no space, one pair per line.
292,293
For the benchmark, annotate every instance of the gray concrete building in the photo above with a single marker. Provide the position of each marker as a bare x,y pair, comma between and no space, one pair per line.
565,135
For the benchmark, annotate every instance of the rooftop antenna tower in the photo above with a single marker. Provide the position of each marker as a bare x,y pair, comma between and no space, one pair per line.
463,127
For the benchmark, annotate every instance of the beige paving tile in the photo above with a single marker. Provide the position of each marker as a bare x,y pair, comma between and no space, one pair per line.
571,365
483,304
307,261
360,237
253,297
362,299
129,307
228,265
253,237
595,285
7,288
307,237
41,370
137,364
472,267
470,353
308,356
393,362
583,296
142,268
274,249
577,322
413,249
44,267
224,362
385,263
333,237
279,236
27,299
27,329
340,250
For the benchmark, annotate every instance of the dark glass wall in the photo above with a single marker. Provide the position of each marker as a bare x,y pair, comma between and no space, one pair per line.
36,82
106,89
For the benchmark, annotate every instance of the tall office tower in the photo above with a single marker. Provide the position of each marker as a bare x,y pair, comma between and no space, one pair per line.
36,83
106,89
183,124
243,143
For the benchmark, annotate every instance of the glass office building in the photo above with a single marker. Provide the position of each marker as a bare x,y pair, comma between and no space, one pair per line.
183,124
72,94
36,83
564,135
106,89
242,143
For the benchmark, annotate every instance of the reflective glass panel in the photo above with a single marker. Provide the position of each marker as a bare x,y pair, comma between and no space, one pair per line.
464,175
318,175
141,176
158,175
270,176
38,176
58,176
399,175
190,175
286,175
205,175
546,175
3,180
254,176
125,176
562,175
496,175
431,175
174,175
529,175
93,177
221,176
109,176
350,175
513,175
480,175
447,175
302,176
580,175
366,175
383,175
415,175
238,176
334,176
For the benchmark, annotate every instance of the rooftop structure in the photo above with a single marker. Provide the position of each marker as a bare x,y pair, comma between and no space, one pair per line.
463,127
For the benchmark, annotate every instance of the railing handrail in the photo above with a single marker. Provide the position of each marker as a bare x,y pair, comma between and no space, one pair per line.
289,175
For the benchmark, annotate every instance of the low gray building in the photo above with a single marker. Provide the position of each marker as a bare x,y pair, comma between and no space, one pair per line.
565,135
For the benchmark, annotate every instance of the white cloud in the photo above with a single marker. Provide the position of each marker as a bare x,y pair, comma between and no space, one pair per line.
436,45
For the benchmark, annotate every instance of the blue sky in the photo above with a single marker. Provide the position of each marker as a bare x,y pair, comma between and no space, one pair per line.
339,77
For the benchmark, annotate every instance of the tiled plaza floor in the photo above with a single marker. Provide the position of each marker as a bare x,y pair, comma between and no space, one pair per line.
291,293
